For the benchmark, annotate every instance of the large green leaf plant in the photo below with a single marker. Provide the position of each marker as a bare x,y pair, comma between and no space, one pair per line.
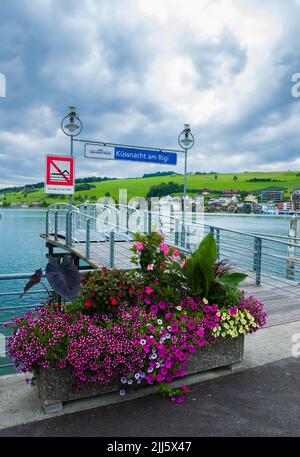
205,280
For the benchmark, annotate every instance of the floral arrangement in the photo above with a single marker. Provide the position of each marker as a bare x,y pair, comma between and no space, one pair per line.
140,326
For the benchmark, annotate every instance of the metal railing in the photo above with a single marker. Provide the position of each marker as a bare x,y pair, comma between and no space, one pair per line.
265,257
103,230
11,286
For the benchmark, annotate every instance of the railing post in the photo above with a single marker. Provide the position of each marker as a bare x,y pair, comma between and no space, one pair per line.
67,229
171,220
149,222
88,238
257,259
188,235
212,230
145,222
176,232
218,242
183,235
55,225
70,228
290,268
127,219
111,249
47,223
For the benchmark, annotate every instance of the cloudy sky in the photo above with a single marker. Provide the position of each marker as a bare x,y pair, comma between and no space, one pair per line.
137,70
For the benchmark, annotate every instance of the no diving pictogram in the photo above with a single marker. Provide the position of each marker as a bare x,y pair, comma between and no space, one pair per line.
59,175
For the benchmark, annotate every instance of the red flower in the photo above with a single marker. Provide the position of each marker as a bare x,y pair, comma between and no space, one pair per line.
113,301
131,290
104,272
162,266
88,303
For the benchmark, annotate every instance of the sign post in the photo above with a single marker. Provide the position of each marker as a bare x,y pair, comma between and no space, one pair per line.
59,175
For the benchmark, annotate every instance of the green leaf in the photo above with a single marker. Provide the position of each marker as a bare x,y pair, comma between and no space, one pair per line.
231,279
199,267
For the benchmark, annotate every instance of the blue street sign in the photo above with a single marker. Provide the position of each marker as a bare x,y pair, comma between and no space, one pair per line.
145,155
116,152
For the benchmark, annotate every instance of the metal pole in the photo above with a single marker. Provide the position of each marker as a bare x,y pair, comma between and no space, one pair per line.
149,222
88,238
185,172
290,269
71,198
176,232
67,229
112,249
55,225
257,244
218,242
47,223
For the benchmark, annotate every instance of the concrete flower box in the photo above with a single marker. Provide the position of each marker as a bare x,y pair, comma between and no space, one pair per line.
54,384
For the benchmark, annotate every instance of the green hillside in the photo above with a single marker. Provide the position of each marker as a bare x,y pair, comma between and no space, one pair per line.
141,186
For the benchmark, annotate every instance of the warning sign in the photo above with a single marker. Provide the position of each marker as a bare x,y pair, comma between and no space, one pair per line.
59,175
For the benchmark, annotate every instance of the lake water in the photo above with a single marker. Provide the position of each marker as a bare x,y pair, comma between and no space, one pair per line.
23,251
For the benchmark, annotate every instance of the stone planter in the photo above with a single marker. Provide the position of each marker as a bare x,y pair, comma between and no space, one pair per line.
54,384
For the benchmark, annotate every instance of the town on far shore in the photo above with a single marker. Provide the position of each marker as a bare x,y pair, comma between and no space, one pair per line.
268,199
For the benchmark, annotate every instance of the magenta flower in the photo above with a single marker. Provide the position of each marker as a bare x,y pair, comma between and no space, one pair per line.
200,331
174,329
162,305
148,290
154,309
139,246
150,379
191,325
201,342
164,248
185,388
233,311
182,264
180,399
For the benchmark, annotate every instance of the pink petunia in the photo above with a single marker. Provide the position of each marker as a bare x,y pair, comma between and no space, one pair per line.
150,267
201,342
233,311
148,290
191,325
154,309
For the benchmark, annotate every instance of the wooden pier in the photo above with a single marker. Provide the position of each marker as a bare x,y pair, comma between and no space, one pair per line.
278,295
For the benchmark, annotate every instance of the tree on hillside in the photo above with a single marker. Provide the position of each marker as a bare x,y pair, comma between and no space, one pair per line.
235,178
216,176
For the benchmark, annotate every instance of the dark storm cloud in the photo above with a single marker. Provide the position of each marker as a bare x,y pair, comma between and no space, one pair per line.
105,58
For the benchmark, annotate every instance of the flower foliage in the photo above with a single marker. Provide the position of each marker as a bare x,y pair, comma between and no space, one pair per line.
141,326
104,290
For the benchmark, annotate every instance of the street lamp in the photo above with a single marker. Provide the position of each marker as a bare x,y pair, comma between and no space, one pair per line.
71,125
186,141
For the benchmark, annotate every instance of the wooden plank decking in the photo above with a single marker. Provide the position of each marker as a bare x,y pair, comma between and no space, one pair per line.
279,295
